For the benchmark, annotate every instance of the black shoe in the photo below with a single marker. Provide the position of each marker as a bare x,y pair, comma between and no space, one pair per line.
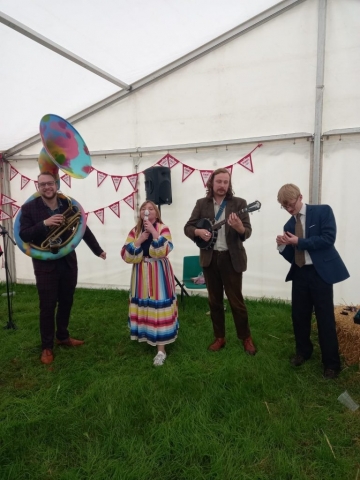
297,360
330,374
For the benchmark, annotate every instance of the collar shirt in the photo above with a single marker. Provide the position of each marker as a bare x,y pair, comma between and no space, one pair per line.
302,212
220,244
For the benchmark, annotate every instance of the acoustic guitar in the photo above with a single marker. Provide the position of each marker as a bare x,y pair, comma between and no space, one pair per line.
213,228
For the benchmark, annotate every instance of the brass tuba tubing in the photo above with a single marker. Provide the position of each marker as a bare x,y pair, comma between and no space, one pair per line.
70,223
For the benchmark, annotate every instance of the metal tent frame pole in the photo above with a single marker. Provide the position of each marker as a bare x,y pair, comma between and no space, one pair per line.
316,164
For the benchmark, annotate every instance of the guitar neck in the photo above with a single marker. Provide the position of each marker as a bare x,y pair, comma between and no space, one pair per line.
220,224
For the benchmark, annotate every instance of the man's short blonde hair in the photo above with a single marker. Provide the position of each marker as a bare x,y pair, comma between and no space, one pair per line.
288,193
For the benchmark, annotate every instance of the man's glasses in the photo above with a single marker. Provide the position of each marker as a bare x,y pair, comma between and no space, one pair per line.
290,205
46,184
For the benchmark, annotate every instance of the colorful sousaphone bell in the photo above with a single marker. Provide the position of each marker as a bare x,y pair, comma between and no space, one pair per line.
65,149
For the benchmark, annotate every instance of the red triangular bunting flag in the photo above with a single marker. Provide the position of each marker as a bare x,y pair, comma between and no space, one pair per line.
86,215
116,181
205,175
4,216
67,179
229,169
130,200
36,185
133,179
13,172
186,172
15,209
100,177
24,181
5,200
115,207
100,214
246,162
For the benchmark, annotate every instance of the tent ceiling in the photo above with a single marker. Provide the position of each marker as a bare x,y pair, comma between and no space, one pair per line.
128,40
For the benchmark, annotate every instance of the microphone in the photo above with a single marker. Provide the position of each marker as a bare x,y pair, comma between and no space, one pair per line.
146,216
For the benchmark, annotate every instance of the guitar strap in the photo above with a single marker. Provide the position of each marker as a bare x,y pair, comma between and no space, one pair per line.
221,209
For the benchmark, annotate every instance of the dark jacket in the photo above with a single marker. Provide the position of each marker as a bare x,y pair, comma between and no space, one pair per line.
320,235
33,230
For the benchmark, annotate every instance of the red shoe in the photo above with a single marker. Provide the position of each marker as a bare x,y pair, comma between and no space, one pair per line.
217,345
249,346
47,356
70,342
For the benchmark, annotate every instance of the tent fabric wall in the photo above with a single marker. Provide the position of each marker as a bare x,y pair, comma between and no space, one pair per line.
261,83
342,66
275,163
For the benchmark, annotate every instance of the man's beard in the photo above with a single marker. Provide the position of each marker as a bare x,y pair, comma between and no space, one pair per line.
50,196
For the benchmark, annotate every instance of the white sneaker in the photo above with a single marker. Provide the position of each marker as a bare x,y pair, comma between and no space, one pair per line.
159,359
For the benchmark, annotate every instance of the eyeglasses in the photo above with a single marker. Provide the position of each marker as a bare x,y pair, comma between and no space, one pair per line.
290,205
46,184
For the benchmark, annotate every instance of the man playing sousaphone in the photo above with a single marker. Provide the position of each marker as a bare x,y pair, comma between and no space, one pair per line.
223,265
55,279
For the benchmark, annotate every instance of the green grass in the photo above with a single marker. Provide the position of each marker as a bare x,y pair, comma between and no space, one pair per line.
102,411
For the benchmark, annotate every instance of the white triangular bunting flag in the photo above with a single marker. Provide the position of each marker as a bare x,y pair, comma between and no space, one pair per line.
133,179
5,200
67,179
13,172
24,181
229,169
205,175
100,177
164,161
15,209
36,185
172,161
100,214
116,181
186,172
246,162
130,200
4,215
115,207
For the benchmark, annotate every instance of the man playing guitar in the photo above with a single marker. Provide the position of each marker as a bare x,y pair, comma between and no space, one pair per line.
224,264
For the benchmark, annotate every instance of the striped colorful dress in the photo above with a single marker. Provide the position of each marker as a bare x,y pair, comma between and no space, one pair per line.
153,311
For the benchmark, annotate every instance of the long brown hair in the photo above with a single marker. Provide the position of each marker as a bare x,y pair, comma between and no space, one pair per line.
210,184
139,224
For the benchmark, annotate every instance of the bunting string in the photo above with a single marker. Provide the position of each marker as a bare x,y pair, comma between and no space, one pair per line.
166,161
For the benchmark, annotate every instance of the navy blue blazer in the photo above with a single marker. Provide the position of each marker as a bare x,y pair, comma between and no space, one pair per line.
320,235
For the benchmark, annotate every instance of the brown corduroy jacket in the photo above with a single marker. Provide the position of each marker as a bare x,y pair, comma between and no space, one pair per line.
204,208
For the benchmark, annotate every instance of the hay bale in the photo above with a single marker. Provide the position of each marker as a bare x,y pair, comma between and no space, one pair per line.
348,334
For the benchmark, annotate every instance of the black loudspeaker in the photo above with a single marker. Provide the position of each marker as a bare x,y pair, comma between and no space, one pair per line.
158,185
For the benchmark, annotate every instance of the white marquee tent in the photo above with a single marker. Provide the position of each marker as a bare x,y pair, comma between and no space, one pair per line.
139,82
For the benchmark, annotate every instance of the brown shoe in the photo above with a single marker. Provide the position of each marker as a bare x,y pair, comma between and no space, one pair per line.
47,356
219,343
249,346
70,342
